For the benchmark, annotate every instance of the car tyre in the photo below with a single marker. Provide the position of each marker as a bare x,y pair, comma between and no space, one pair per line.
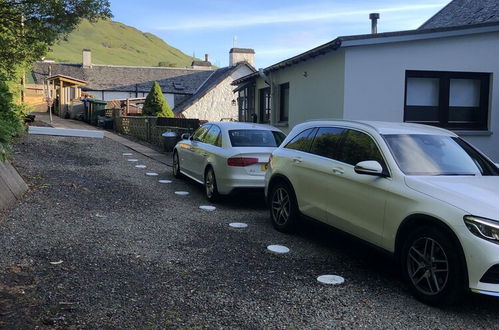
284,212
176,165
210,186
432,266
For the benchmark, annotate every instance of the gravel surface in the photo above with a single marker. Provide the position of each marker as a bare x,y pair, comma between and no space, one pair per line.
98,244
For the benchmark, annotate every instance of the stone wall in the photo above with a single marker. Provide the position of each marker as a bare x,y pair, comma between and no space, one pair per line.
216,104
12,186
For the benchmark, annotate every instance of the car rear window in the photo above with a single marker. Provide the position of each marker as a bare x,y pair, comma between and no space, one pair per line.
255,138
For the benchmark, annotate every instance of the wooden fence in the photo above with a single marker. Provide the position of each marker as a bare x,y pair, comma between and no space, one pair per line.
149,129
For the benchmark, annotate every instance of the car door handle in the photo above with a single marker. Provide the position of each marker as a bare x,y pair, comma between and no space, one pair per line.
338,170
205,154
297,160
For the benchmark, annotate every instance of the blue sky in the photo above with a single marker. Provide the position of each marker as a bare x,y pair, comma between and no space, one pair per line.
275,29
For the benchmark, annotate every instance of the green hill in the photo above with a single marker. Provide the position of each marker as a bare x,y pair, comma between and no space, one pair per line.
119,44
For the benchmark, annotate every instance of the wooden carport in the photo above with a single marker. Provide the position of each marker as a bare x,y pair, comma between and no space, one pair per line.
62,90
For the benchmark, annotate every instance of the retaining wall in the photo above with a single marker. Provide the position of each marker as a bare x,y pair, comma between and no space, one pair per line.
12,186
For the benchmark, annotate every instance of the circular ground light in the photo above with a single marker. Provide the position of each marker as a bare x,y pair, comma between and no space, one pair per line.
127,154
182,193
331,279
207,207
133,160
278,248
238,225
164,181
152,174
140,166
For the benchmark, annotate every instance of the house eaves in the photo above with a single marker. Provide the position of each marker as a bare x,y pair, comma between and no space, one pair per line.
378,38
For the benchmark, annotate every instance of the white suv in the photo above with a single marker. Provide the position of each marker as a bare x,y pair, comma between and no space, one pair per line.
417,191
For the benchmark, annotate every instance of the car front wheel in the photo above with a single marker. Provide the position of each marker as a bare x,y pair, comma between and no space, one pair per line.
176,165
432,266
283,208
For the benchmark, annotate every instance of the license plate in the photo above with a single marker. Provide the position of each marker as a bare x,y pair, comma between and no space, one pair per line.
265,166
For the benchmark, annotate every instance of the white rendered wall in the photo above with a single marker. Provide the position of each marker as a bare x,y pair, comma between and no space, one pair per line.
375,78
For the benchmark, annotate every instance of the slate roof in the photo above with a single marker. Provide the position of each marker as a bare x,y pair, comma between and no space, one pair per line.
125,78
464,12
213,80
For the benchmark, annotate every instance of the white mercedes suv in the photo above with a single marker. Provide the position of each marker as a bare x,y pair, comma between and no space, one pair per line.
419,192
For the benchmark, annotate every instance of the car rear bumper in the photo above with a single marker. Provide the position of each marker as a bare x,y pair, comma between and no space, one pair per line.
227,185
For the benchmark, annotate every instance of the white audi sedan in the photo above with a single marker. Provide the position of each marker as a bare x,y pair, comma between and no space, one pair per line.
418,192
226,155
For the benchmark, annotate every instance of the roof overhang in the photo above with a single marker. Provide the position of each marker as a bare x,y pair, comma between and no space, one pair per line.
67,79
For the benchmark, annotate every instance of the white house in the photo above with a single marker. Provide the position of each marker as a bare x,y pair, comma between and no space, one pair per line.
444,76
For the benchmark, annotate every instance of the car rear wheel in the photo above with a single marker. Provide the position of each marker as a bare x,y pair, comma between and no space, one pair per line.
283,208
432,266
176,165
210,186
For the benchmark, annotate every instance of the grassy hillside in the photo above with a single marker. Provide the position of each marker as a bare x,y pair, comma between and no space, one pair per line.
117,43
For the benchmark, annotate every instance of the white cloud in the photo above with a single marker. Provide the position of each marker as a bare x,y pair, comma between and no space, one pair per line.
290,15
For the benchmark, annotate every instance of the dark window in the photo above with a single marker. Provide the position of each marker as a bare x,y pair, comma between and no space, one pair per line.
454,100
212,136
302,141
284,102
200,132
246,101
255,138
358,147
265,105
327,142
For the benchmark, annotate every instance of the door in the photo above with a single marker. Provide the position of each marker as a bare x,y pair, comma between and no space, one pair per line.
356,202
203,150
187,152
265,104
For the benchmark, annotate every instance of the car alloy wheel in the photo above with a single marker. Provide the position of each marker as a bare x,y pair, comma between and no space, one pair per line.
176,165
210,186
433,266
283,208
428,266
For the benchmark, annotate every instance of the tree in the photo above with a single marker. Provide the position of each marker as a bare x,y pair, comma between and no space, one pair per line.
29,27
155,104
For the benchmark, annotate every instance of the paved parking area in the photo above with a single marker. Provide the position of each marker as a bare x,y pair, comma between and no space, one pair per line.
97,243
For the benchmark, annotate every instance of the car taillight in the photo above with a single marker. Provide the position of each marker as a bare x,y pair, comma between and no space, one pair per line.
241,161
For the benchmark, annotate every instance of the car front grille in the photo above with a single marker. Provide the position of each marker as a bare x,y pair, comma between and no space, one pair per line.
491,276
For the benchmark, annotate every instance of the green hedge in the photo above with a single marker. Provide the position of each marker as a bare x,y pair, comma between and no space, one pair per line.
10,127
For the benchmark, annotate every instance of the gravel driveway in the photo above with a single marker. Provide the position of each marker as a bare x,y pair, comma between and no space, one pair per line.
98,244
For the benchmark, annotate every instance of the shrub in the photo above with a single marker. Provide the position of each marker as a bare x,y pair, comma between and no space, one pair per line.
155,103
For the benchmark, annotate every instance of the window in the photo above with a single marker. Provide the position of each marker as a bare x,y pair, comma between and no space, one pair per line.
327,142
284,102
358,147
246,101
265,105
213,136
255,138
200,132
302,141
453,100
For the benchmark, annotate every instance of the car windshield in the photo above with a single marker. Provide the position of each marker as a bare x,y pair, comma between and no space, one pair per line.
420,154
255,138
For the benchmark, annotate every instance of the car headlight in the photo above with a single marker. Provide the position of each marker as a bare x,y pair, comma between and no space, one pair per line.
483,228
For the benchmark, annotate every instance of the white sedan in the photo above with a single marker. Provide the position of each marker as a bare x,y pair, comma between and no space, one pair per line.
418,192
226,155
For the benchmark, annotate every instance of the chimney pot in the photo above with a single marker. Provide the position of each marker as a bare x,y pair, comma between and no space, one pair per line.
374,22
206,58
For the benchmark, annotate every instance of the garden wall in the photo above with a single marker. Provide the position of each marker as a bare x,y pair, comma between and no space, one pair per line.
12,186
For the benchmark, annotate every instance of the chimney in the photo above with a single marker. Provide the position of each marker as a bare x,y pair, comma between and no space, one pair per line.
206,58
87,58
374,22
237,55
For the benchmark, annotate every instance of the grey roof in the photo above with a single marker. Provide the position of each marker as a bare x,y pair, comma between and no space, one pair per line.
377,38
242,50
201,63
464,12
215,78
125,78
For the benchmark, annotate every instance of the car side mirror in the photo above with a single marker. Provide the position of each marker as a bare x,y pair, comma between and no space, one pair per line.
185,136
369,167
